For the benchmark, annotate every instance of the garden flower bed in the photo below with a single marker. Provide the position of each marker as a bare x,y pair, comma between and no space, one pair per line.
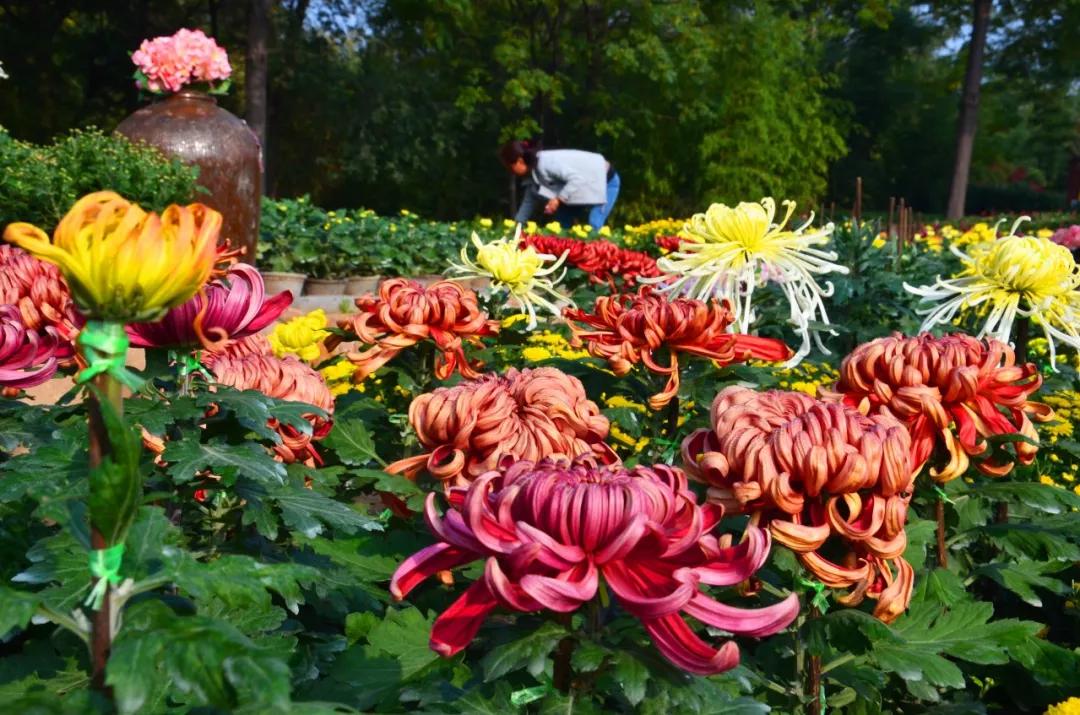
677,467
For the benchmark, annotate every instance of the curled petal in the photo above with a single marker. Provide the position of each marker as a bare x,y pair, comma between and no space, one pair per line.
456,627
682,647
421,565
755,622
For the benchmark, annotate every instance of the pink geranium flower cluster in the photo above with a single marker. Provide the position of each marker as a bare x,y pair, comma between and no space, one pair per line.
1068,236
168,63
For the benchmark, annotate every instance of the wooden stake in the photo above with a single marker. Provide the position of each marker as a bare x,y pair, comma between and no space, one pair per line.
892,209
858,199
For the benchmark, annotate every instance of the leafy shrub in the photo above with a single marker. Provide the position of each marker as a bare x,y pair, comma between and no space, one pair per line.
39,184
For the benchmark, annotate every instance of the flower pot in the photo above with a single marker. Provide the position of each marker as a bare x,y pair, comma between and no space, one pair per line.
362,285
324,286
191,127
276,281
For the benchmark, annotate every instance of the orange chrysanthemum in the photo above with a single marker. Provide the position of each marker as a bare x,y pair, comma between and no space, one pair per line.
38,290
527,414
824,477
404,314
628,329
249,364
952,391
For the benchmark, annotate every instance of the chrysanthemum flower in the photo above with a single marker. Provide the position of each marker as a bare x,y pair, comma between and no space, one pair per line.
952,391
818,474
38,290
248,364
406,313
26,358
602,260
123,264
1015,276
528,414
547,533
228,308
522,272
727,252
626,330
301,336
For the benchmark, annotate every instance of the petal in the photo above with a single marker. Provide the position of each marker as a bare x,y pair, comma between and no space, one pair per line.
744,621
457,626
736,564
680,645
424,563
634,588
565,593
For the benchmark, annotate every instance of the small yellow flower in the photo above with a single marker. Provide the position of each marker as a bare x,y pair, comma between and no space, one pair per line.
553,226
508,223
122,263
617,401
512,320
536,354
879,242
302,336
1044,233
486,222
605,231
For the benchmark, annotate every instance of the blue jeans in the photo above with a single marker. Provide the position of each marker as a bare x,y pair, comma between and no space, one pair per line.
596,213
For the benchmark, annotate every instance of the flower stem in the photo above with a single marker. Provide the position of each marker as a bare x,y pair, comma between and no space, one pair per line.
562,673
672,418
1023,334
942,551
109,389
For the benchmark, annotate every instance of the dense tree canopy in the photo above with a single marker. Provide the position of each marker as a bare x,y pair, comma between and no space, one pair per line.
402,103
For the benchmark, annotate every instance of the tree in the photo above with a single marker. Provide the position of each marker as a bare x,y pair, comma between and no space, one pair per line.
257,69
967,122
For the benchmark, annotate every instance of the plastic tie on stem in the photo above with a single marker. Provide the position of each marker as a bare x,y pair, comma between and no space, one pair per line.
190,364
942,495
105,566
105,345
820,599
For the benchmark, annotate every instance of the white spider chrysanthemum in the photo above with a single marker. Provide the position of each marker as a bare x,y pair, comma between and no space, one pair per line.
1014,276
727,252
521,272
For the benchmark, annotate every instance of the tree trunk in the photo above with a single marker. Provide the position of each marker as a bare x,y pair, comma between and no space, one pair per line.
256,72
969,109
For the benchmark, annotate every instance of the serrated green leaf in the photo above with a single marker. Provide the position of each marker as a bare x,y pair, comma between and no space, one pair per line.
405,635
1041,497
358,625
588,657
188,457
632,676
519,653
16,609
353,444
1022,578
364,676
309,512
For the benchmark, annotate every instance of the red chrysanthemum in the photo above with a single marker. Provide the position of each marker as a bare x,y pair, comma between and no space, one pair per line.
227,308
824,477
38,290
527,414
628,329
602,260
27,358
547,533
953,391
406,313
249,364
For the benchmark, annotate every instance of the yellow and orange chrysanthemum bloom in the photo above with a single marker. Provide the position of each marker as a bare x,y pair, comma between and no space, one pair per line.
1012,277
833,485
122,263
953,391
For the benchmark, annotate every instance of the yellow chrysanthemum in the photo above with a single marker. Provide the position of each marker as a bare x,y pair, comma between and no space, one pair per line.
338,377
727,252
1014,276
122,263
521,272
1069,707
302,336
486,222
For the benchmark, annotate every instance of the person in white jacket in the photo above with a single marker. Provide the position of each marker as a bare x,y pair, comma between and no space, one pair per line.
570,184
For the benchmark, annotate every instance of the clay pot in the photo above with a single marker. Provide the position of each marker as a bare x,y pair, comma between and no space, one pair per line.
362,285
191,127
324,286
276,282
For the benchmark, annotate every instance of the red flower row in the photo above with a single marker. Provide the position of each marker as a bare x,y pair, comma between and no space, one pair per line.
602,260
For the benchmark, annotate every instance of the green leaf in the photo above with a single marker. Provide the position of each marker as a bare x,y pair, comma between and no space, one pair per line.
205,661
352,442
363,676
1023,577
1041,497
156,417
16,609
115,484
405,635
920,533
588,657
632,676
394,484
358,625
188,457
521,652
308,512
254,410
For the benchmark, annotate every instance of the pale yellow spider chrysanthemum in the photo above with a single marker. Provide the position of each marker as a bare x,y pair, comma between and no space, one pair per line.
728,251
522,272
1015,276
